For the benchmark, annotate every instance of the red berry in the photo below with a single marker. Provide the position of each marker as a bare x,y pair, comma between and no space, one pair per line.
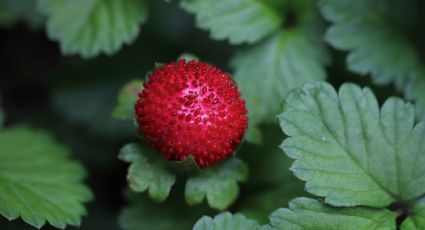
192,108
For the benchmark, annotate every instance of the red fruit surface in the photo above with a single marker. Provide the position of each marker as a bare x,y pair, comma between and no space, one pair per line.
192,108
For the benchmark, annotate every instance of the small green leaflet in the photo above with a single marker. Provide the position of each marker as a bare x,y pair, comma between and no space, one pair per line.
376,34
219,184
127,97
307,213
239,21
91,27
416,219
350,151
226,221
147,172
38,181
268,71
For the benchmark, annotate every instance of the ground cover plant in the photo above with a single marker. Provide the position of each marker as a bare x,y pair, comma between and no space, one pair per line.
212,114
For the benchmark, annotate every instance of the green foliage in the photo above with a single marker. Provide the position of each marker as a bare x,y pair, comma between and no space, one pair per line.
14,11
226,221
306,213
377,35
2,116
269,70
237,20
349,151
219,184
147,172
127,97
260,204
173,214
279,61
38,181
362,159
416,219
95,103
91,27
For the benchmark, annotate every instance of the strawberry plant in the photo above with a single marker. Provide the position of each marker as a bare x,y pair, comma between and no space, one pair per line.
212,114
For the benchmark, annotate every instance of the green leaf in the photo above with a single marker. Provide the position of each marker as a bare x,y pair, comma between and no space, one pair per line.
306,213
268,71
173,214
219,184
127,98
91,27
377,35
351,152
38,181
237,20
147,172
226,221
416,218
2,116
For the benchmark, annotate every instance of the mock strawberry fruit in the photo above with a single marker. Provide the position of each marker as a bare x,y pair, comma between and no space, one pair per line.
192,108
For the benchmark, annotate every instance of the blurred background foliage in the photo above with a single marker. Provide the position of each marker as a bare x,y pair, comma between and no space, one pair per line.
73,98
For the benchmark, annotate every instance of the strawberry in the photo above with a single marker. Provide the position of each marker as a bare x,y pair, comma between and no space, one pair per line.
191,108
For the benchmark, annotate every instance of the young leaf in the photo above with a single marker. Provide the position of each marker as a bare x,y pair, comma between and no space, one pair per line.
218,183
268,71
237,20
360,26
127,97
349,151
91,27
306,213
226,221
416,218
38,181
146,172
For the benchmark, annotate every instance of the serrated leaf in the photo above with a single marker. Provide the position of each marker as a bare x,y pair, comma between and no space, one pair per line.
38,181
226,221
91,27
416,218
350,151
174,214
376,34
146,172
268,71
219,184
127,98
307,213
237,20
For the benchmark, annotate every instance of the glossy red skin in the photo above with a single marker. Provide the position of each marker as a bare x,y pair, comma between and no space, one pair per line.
192,108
